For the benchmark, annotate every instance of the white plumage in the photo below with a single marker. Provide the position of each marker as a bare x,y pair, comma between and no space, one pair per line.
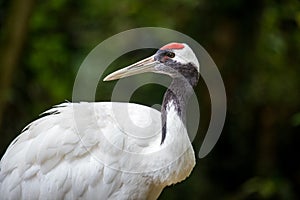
97,151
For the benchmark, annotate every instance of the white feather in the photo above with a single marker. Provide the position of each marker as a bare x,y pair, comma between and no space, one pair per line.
95,156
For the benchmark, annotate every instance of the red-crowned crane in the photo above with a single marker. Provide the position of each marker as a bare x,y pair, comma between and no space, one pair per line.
89,156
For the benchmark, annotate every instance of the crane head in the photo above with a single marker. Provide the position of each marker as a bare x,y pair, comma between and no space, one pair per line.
173,59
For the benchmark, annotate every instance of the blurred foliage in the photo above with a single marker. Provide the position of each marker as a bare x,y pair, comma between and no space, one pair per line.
296,120
255,44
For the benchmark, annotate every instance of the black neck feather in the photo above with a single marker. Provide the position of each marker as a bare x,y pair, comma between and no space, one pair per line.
177,95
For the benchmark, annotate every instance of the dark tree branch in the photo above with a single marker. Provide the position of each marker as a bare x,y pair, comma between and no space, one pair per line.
13,38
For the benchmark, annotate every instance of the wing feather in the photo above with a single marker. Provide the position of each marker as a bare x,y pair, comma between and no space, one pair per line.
30,172
30,185
76,151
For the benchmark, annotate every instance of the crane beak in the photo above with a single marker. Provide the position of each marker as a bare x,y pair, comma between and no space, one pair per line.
146,65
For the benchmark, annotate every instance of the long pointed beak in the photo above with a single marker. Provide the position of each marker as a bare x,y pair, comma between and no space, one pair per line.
146,65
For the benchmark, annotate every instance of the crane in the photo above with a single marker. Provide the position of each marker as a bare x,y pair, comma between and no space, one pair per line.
90,156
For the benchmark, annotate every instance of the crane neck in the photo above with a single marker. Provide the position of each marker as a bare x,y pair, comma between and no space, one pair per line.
176,98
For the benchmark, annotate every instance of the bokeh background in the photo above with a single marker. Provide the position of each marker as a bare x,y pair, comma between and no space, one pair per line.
255,44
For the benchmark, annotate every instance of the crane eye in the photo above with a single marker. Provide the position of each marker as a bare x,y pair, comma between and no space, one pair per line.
170,54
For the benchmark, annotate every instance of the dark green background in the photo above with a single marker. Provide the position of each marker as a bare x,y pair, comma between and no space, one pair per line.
255,44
